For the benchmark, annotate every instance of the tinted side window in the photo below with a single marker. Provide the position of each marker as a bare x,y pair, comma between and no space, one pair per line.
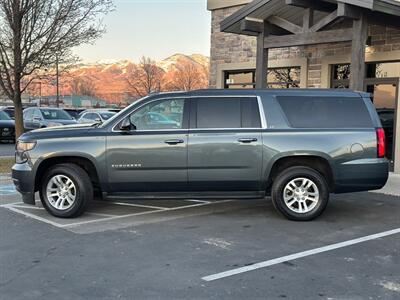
326,112
37,114
218,113
250,113
90,116
163,114
225,112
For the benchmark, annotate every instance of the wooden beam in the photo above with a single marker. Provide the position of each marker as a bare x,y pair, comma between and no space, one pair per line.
324,22
249,26
253,27
316,5
309,38
262,59
285,24
348,11
308,19
357,67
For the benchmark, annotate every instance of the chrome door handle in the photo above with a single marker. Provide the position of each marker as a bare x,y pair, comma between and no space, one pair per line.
174,142
247,140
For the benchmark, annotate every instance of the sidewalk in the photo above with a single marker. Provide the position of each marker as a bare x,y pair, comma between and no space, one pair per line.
392,187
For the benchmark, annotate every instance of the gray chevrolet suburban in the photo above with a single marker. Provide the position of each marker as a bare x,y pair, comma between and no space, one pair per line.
297,146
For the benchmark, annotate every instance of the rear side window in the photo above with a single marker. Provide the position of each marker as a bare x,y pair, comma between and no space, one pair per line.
325,112
90,116
225,112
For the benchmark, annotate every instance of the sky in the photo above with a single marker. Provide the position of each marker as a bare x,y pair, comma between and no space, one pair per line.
153,28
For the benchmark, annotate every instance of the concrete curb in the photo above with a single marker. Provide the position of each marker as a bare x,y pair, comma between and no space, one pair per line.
392,187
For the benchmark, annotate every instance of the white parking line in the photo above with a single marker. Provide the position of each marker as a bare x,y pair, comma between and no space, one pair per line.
18,206
142,213
199,201
282,259
32,216
28,206
140,205
99,214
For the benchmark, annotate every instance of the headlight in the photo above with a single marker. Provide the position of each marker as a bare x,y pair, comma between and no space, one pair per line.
54,124
25,146
21,155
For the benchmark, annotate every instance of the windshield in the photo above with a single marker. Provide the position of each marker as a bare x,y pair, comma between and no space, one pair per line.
110,120
4,116
55,114
107,115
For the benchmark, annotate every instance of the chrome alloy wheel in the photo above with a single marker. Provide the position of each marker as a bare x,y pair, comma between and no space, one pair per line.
301,195
61,192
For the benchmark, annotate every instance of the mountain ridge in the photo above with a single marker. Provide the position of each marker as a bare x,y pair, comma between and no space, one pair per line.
107,79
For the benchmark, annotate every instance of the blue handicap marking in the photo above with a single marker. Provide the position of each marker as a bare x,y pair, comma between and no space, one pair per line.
7,190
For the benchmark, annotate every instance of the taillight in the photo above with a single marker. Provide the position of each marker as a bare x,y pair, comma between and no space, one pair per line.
380,134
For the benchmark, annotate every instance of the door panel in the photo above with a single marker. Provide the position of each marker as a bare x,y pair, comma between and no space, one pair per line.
144,162
225,144
153,155
225,160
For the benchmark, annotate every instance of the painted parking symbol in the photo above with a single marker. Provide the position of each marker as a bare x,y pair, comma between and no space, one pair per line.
6,190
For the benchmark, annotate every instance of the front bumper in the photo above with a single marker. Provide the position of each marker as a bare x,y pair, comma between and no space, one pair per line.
24,181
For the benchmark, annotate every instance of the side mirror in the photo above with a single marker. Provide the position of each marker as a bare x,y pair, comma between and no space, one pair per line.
126,125
37,119
97,120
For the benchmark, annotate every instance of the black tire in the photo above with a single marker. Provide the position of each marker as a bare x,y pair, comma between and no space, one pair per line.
284,178
83,190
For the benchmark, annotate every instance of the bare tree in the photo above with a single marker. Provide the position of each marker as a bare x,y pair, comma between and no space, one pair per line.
187,76
285,77
36,34
82,86
145,78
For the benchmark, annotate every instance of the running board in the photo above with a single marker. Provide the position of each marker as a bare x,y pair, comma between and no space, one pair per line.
183,195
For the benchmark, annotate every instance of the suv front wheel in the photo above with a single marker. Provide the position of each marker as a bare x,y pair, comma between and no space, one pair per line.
300,193
66,190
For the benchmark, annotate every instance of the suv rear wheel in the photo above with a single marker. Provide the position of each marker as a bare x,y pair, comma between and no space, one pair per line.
300,193
66,190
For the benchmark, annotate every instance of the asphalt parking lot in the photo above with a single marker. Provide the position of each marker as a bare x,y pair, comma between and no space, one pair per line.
7,149
200,249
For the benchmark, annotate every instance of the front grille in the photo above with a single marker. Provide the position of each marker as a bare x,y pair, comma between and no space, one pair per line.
7,132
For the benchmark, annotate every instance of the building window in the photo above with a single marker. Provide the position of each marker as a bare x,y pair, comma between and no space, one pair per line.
240,79
341,73
383,70
284,78
277,78
340,76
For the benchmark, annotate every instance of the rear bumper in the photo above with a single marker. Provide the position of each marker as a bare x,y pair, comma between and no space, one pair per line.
361,175
24,181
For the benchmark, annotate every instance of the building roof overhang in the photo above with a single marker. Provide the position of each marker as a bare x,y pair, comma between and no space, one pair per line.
247,20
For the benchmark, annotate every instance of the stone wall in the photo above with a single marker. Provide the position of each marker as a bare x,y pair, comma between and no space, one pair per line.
232,48
226,47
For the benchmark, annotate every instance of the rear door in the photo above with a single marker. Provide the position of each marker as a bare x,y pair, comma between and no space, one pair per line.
225,144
